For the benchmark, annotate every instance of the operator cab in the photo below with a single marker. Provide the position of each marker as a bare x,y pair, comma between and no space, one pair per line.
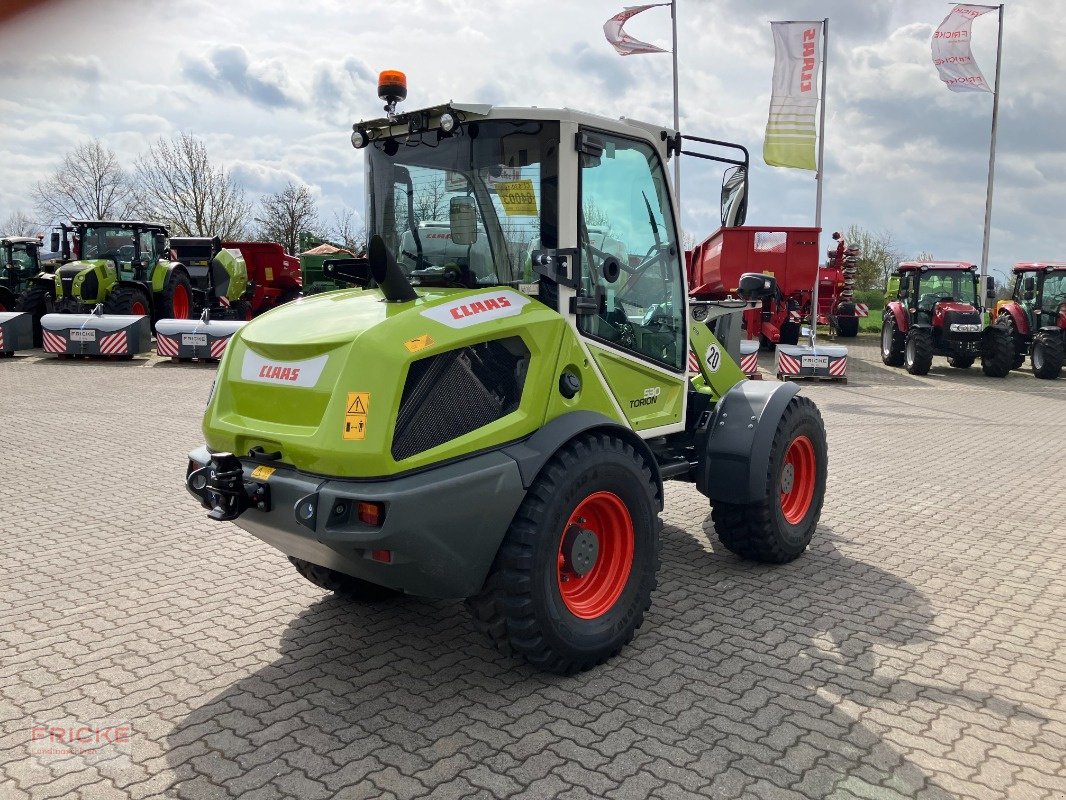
132,246
1040,288
924,284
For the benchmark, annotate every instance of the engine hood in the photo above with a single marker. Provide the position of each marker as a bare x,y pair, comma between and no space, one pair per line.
294,378
72,268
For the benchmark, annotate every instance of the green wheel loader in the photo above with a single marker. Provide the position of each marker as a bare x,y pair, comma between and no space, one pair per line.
123,265
495,420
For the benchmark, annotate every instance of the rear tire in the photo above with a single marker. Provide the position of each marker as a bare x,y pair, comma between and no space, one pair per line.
997,352
847,327
961,362
918,352
778,529
541,601
175,301
341,584
891,342
1047,355
1007,323
790,333
36,301
127,300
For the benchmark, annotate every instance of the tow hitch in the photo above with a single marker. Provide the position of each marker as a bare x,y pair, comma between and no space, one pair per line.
221,487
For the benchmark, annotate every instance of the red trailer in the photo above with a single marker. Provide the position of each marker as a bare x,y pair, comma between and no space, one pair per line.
273,274
790,256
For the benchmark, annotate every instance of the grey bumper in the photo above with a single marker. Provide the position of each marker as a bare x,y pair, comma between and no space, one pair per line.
442,526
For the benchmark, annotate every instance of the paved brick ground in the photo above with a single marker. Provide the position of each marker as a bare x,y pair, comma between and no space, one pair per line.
918,649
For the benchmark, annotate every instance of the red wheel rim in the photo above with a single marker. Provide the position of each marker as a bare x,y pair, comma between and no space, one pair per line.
797,480
180,302
593,594
137,308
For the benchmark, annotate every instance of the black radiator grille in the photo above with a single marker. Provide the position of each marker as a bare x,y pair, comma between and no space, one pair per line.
450,394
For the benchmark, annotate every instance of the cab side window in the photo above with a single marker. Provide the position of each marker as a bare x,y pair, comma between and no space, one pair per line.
626,231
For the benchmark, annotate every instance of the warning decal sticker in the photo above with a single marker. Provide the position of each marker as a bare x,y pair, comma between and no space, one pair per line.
355,414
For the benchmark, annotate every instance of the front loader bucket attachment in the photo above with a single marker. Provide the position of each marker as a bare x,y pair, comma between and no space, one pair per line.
16,332
96,334
821,362
194,338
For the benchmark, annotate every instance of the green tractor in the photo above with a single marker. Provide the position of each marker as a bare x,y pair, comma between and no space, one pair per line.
19,263
121,265
484,423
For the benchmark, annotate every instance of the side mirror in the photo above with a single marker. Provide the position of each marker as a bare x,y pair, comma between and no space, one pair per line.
756,286
905,284
160,243
462,220
54,242
990,286
1029,284
734,197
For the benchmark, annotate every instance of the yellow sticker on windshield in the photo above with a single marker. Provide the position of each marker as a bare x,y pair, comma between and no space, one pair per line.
517,198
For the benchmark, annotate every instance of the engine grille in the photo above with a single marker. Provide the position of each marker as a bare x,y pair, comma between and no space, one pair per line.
453,393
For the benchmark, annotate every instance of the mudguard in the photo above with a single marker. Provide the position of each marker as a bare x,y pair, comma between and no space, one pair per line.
1017,315
895,308
533,453
734,442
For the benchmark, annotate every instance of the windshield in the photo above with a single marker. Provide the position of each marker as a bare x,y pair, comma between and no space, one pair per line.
107,241
1054,291
938,286
467,209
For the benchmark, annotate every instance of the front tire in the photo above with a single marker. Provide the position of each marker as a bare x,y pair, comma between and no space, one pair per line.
341,584
997,352
918,352
778,529
1047,355
891,342
576,569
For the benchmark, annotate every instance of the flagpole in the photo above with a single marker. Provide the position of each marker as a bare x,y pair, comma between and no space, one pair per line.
992,157
677,119
818,179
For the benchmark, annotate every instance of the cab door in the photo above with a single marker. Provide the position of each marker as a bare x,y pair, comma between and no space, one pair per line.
631,267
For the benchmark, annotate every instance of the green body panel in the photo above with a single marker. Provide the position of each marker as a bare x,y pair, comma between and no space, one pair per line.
593,395
648,397
233,262
160,272
360,343
716,382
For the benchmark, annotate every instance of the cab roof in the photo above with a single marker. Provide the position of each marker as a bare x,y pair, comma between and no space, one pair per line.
121,223
915,265
1029,266
20,240
428,118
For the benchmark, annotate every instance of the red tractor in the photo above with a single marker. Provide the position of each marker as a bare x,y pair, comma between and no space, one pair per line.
273,275
1035,317
932,308
790,256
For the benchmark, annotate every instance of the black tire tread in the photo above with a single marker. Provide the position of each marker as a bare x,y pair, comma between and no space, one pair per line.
36,301
747,530
1052,344
997,353
923,351
895,357
165,299
121,300
503,609
847,327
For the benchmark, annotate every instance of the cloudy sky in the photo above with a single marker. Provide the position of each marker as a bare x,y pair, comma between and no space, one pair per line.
273,86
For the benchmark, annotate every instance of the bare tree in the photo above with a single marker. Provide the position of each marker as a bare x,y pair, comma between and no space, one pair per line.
89,184
878,256
19,223
180,187
284,215
429,201
346,232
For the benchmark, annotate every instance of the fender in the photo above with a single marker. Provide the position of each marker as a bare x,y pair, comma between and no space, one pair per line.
734,444
533,453
161,274
895,308
144,287
1017,316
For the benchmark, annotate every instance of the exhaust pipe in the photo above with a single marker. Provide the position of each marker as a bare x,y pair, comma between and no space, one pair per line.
387,273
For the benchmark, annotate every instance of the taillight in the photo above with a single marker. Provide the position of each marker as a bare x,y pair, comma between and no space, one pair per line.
371,513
